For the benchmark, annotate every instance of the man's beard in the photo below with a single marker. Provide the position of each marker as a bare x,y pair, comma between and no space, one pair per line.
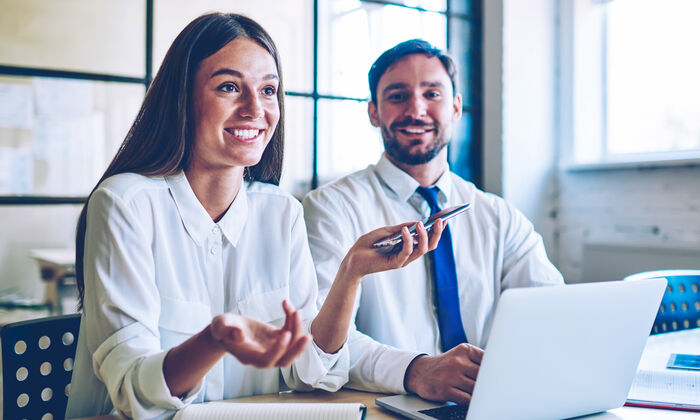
394,149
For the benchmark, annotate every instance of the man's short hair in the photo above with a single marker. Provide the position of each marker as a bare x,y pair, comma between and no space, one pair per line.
399,51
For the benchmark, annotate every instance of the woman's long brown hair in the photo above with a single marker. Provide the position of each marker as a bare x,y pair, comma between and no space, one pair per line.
160,140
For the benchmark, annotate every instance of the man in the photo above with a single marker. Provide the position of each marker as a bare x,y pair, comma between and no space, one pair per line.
413,324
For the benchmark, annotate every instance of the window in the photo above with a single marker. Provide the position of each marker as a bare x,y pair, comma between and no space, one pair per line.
631,91
72,79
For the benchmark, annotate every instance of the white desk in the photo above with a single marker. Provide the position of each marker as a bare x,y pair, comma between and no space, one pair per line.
55,265
660,346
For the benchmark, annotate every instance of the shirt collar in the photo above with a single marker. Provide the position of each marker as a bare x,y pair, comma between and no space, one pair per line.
195,218
404,185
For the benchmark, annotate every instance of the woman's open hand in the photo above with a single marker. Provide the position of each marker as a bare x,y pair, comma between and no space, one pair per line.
259,344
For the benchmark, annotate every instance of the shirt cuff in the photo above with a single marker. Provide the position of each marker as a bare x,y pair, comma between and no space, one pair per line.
392,367
382,371
405,374
328,360
152,381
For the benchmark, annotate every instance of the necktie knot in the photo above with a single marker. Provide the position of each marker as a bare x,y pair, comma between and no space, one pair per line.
430,195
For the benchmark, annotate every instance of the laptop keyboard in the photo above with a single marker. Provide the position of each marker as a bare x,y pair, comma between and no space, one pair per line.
447,412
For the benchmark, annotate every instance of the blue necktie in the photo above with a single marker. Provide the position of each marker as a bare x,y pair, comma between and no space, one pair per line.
445,275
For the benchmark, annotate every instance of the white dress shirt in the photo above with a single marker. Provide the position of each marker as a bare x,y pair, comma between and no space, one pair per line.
495,248
157,269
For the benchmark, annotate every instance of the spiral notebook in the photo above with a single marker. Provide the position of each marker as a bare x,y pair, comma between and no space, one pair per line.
659,382
666,389
223,410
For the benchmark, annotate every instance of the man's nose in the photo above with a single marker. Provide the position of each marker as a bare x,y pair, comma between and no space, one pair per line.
416,107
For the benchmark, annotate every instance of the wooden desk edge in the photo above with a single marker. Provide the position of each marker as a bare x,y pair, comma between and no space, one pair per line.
374,412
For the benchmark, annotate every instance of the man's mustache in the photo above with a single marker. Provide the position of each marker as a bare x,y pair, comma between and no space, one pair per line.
410,122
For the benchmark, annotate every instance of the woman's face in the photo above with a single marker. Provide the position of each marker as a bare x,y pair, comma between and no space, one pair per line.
235,106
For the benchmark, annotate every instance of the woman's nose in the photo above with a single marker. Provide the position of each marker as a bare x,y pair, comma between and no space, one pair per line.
251,107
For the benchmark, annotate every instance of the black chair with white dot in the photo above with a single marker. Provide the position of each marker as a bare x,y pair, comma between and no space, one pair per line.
37,364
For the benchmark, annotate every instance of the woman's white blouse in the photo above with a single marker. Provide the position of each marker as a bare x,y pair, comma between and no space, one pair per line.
157,269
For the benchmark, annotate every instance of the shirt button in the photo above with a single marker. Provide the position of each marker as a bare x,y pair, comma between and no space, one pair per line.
213,250
215,230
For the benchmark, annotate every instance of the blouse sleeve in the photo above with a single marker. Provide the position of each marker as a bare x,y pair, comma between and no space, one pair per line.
373,366
121,310
314,368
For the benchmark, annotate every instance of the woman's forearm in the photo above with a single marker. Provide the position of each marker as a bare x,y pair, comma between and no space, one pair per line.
330,327
186,364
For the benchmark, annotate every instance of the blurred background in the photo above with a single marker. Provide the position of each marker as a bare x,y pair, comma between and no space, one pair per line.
583,113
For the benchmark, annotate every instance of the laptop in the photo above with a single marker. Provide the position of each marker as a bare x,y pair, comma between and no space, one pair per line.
555,352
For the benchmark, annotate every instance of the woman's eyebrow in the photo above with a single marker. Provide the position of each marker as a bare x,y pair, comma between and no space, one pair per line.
230,72
238,74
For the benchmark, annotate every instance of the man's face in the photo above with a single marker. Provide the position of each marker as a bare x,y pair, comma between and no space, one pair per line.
415,109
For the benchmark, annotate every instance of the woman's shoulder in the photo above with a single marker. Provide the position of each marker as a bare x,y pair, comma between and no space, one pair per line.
128,185
268,194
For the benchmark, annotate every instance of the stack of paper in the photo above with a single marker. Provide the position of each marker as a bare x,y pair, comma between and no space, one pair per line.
223,410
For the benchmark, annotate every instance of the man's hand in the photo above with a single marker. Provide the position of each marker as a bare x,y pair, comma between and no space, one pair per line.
259,344
448,377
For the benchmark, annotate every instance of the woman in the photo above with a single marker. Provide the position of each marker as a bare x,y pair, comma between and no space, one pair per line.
190,262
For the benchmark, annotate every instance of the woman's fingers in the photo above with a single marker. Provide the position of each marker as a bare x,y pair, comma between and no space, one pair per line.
407,247
289,315
294,350
293,322
277,350
436,234
421,248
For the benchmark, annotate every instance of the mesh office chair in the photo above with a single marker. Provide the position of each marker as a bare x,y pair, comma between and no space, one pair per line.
680,306
37,363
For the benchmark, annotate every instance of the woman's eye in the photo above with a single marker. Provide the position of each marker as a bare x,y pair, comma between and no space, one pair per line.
269,90
228,87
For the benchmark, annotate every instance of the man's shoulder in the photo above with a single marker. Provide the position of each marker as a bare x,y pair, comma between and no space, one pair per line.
350,188
486,202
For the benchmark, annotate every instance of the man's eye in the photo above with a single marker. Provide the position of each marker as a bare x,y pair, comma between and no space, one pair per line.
433,94
269,90
395,97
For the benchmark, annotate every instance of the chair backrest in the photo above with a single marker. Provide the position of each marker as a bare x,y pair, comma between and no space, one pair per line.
37,363
680,306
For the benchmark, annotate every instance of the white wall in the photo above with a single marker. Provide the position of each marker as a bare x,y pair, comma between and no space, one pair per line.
529,143
492,96
647,206
519,109
23,228
650,206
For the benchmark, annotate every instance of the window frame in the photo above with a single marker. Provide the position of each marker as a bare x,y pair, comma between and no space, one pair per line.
580,24
472,166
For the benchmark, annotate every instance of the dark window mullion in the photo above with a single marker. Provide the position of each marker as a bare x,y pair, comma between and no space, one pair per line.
445,12
65,74
314,160
149,43
32,200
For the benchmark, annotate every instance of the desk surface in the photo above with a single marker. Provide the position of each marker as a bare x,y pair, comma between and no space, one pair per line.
654,357
376,413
